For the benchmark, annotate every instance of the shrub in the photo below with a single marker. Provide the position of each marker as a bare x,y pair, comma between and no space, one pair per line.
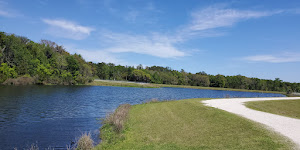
85,142
118,118
24,80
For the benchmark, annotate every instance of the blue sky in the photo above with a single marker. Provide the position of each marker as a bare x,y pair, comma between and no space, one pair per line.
253,38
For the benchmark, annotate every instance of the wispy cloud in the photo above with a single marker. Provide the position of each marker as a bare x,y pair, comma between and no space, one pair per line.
166,45
153,44
216,17
67,29
275,58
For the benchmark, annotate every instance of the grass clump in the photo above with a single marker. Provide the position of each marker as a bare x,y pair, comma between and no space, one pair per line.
85,142
113,126
34,146
188,124
289,108
118,118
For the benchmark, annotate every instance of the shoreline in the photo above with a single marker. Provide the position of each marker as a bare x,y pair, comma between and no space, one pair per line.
151,85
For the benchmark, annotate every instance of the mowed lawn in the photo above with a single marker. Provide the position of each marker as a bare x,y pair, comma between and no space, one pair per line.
188,124
289,108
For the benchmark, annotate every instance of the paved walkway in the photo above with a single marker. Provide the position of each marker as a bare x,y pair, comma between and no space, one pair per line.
288,127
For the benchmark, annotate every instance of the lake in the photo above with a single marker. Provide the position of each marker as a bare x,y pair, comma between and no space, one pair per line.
54,116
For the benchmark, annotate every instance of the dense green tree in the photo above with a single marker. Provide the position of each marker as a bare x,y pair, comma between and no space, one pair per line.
140,76
103,71
73,64
43,72
199,80
217,81
6,72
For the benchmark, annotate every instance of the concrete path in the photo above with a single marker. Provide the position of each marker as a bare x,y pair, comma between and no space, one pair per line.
288,127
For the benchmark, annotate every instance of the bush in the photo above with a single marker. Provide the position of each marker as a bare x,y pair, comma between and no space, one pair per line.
85,142
118,118
24,80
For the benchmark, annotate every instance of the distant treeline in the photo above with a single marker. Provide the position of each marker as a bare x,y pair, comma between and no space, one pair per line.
24,61
165,75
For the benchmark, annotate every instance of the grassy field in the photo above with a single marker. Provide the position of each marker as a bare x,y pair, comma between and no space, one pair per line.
188,124
289,108
150,85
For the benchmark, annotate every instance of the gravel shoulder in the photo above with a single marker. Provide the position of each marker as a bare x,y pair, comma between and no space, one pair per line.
286,126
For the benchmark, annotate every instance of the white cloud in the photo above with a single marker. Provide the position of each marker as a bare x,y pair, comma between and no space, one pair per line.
215,17
206,22
283,58
67,29
153,44
164,45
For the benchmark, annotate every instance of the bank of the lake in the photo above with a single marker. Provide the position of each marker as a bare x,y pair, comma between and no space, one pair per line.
188,124
152,85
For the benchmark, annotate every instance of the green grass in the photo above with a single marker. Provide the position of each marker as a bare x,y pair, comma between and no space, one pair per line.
216,88
151,85
289,108
188,124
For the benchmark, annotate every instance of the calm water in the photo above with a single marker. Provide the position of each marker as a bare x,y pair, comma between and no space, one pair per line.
53,116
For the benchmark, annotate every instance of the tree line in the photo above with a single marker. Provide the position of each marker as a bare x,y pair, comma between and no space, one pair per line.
48,63
165,75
